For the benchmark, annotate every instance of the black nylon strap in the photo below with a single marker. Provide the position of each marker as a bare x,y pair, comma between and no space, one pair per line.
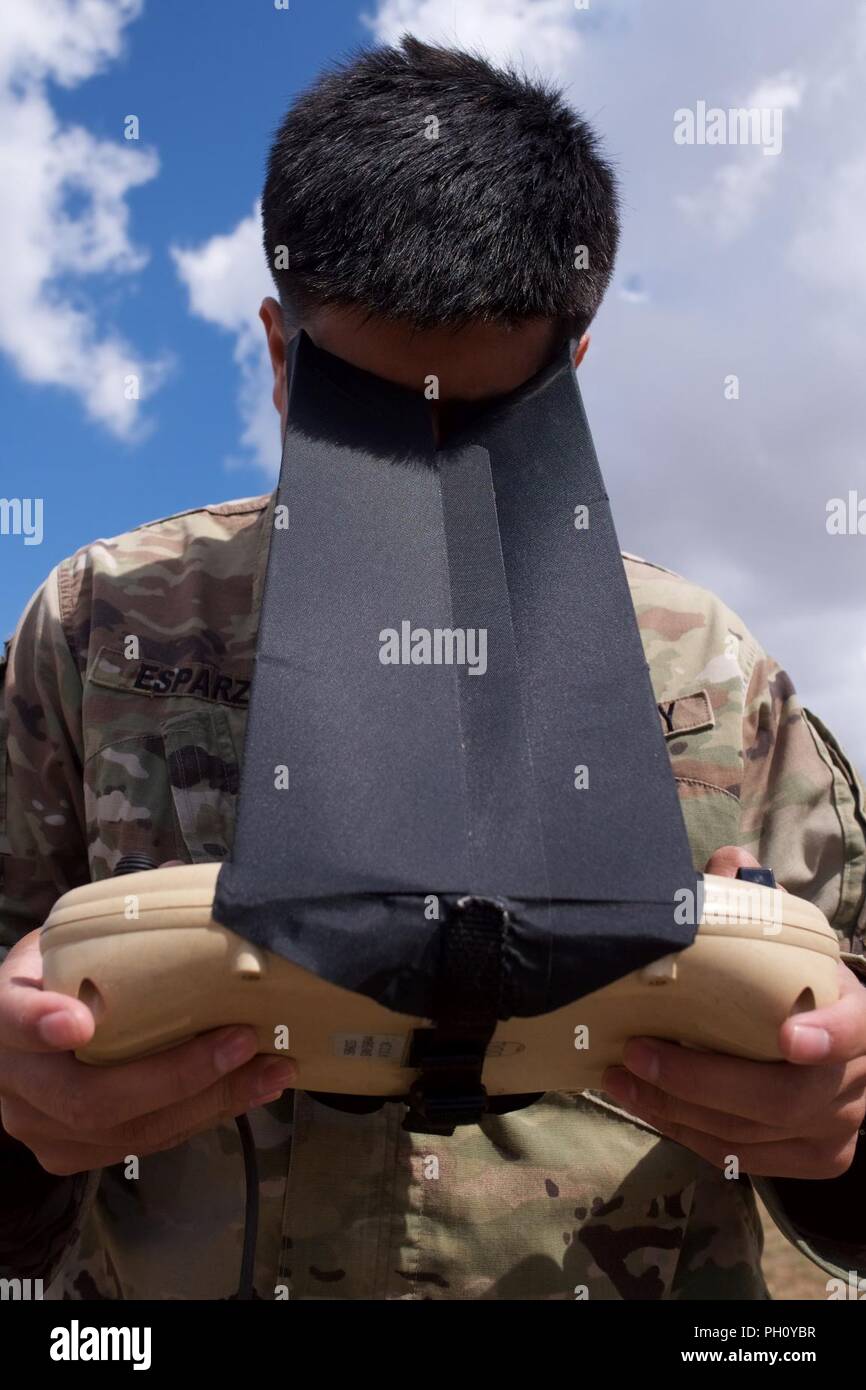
450,1056
472,969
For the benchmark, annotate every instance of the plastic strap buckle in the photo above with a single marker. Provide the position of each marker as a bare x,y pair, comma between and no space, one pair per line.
449,1091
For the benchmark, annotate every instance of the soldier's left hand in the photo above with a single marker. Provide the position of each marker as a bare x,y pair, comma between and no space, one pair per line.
794,1119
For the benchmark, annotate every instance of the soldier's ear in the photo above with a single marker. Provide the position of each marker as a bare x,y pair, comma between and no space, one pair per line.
271,315
580,351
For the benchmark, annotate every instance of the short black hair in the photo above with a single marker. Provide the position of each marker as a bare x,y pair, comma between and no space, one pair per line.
478,219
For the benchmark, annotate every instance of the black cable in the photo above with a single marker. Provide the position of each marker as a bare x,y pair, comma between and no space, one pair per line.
251,1209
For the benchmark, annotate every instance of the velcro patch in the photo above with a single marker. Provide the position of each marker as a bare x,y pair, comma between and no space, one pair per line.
199,680
686,714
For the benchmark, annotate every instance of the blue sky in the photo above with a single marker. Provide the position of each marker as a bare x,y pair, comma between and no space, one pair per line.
208,88
119,256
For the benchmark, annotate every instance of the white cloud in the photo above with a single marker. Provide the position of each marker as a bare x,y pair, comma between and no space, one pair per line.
729,203
541,34
784,92
49,331
226,278
66,40
765,279
727,206
829,247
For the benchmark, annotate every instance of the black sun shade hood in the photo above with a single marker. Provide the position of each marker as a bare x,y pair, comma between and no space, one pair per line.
437,839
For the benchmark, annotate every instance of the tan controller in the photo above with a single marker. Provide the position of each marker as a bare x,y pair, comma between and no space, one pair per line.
143,952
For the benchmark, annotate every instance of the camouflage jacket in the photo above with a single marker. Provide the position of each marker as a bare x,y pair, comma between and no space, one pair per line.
108,752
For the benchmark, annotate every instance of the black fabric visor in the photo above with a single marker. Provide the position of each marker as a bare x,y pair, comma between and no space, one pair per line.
451,698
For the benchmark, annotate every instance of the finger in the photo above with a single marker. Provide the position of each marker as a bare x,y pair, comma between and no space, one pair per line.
89,1098
258,1084
773,1093
251,1085
836,1033
203,1128
64,1158
728,859
661,1109
190,1132
33,1019
833,1127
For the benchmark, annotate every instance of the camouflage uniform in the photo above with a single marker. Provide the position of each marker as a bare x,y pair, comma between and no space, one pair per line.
111,751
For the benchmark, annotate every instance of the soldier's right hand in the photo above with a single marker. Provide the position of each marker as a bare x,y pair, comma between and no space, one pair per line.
76,1117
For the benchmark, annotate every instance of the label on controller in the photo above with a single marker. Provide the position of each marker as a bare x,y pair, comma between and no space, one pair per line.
378,1047
390,1047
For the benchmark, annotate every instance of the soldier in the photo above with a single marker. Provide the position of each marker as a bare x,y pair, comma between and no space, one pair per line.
124,719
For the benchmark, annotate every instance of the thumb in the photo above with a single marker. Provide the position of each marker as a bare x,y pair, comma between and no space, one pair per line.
728,859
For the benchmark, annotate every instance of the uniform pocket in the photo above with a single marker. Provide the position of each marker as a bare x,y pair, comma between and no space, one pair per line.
203,775
686,714
169,793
